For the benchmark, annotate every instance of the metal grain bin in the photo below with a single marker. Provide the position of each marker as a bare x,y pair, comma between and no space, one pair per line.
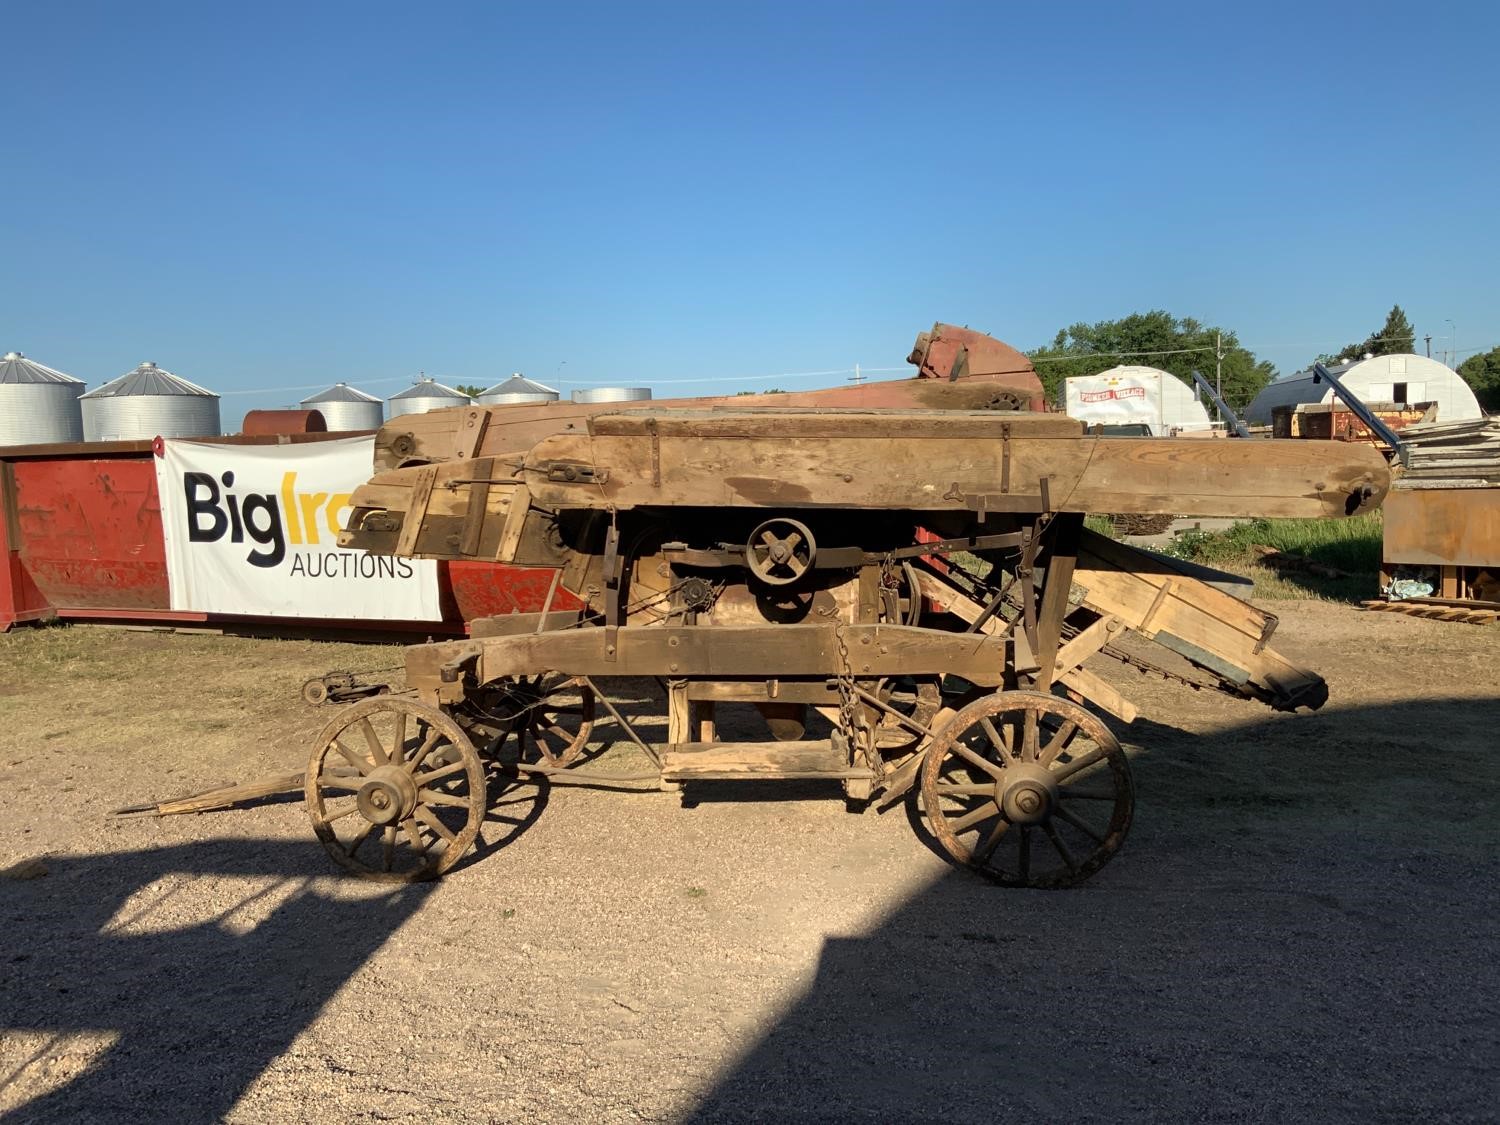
146,403
517,390
347,408
612,394
427,395
37,404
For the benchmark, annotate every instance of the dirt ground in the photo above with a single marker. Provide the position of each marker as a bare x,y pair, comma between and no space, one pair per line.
1302,924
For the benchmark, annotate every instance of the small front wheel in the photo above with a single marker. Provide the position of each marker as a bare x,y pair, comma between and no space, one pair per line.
395,790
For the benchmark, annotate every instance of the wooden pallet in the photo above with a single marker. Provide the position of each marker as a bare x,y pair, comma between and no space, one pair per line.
1450,611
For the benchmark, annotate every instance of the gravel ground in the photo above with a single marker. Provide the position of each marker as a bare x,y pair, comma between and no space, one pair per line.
1301,926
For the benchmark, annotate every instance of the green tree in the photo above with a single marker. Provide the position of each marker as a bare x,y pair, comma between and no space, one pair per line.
1395,337
1482,373
1153,339
470,389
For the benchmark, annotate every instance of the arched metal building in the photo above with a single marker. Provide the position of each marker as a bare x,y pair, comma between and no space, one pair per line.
146,403
1383,378
347,408
428,394
37,404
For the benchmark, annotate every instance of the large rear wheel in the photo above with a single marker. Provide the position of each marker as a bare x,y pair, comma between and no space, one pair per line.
1027,789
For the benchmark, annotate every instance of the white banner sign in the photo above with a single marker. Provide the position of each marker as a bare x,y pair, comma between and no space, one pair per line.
1114,399
253,530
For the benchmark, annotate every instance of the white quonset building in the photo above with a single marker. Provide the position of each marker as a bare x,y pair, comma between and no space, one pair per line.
1382,378
1129,394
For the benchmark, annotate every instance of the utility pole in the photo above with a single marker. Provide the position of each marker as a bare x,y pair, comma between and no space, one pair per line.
858,376
1219,371
1454,338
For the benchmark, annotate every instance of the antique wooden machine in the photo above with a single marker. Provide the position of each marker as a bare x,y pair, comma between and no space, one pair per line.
906,597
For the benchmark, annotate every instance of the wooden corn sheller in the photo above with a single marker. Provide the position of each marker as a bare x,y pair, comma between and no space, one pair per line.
950,461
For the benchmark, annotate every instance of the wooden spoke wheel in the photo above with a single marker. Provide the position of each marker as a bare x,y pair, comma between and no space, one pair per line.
916,697
549,716
395,790
1027,789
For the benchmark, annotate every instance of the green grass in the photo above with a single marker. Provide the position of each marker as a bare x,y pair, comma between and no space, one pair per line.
1349,545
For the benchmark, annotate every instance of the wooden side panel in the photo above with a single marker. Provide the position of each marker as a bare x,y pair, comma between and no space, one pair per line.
1211,628
1443,526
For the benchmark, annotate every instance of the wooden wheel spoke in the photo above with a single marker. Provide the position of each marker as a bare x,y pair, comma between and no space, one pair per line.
1098,754
357,839
429,818
330,817
994,769
372,740
425,779
1079,823
388,848
330,781
448,800
997,740
977,816
991,842
400,736
414,835
1062,849
1027,751
965,789
1058,742
352,758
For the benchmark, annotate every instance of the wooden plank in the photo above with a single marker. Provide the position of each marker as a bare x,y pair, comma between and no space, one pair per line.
720,652
892,471
477,509
952,599
416,510
1087,687
1086,643
758,761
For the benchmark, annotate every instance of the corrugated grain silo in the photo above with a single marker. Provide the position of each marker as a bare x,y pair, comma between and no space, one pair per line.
516,391
427,394
612,394
347,408
146,403
37,404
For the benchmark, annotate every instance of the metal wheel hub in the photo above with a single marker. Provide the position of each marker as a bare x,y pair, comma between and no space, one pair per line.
1028,793
388,796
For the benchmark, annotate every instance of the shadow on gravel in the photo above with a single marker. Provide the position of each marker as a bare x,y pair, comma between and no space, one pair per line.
1301,928
204,984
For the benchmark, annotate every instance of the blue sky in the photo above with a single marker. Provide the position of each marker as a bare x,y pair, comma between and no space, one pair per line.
706,198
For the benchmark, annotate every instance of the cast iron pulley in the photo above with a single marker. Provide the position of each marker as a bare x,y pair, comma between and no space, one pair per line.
780,551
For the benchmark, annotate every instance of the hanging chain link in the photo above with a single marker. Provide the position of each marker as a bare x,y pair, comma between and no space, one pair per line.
849,708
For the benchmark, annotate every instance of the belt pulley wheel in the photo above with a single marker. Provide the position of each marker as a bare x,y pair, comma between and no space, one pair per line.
1028,789
780,551
395,790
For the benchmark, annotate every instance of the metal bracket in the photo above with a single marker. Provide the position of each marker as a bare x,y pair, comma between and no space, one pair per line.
574,472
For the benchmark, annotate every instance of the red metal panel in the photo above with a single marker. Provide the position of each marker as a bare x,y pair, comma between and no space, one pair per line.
494,590
91,532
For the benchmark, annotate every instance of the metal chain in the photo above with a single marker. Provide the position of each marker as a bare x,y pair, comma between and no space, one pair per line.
848,719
